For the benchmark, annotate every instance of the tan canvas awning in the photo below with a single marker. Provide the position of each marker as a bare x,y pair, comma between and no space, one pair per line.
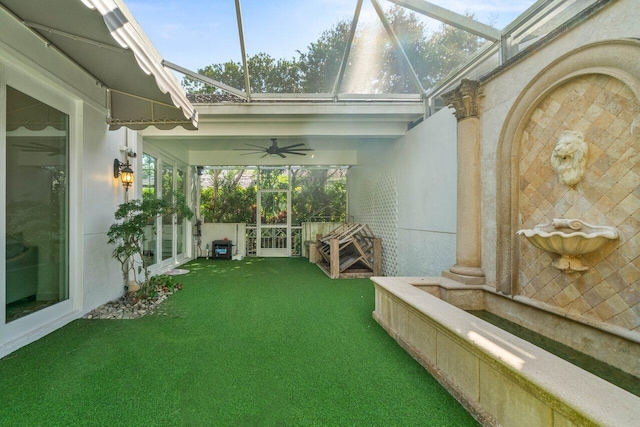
103,38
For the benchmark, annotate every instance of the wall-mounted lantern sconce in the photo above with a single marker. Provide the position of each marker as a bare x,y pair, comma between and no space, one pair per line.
124,172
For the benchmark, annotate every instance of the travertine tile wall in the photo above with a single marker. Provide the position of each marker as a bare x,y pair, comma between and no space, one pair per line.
604,109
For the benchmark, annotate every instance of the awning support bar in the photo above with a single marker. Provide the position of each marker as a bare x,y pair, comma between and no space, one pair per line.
77,38
205,79
245,67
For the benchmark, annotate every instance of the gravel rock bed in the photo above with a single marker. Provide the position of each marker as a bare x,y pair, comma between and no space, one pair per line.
131,306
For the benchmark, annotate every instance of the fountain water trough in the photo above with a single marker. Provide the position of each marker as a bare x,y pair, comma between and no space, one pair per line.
498,377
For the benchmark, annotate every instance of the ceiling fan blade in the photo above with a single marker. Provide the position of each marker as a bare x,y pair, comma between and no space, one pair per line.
262,157
299,149
291,146
281,155
253,152
297,154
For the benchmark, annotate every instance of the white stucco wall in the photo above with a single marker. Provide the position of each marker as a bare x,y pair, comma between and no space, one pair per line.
422,165
234,232
615,21
101,194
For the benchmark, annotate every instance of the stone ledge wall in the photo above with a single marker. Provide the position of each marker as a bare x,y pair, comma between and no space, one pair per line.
499,378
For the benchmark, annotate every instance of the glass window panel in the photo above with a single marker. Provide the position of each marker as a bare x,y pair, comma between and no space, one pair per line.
228,195
149,165
373,66
433,49
37,206
167,220
318,195
273,207
273,178
291,52
498,14
149,185
169,24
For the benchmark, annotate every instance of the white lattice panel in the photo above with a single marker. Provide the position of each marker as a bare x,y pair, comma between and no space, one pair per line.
379,209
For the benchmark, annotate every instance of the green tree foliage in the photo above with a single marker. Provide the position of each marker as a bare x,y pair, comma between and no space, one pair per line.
446,49
226,200
268,75
433,55
317,195
276,179
320,65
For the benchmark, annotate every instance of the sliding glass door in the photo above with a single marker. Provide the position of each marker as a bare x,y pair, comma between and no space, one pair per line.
37,206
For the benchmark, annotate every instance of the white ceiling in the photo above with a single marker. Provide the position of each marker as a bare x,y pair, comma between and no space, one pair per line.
335,131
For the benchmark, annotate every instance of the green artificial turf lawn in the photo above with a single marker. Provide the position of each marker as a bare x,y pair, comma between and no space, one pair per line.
270,342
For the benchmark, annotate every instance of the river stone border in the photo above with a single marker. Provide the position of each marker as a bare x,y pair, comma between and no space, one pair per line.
130,306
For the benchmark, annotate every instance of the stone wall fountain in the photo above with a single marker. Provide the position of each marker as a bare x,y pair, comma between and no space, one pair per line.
576,202
569,238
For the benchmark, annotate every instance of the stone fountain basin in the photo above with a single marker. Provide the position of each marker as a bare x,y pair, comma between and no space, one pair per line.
569,238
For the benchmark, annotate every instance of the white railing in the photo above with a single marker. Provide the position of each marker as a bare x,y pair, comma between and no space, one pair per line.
273,238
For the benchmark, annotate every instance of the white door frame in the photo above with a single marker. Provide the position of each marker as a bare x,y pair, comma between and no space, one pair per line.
30,327
175,257
161,229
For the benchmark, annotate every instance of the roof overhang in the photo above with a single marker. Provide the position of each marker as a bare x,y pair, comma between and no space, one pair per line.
383,119
103,38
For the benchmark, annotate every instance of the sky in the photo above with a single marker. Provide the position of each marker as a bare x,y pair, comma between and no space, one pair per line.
196,33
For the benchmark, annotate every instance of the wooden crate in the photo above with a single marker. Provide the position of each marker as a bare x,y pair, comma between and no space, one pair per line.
350,251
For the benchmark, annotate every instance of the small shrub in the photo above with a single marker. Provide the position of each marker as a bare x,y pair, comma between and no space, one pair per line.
162,281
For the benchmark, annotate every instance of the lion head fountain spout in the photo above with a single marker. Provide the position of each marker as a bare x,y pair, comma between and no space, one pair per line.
569,238
569,157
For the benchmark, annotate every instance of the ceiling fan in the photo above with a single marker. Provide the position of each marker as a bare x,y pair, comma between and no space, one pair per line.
273,149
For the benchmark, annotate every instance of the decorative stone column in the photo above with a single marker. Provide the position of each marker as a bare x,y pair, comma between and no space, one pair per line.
466,101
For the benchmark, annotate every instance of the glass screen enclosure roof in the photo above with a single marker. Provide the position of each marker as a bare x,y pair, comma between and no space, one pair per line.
341,50
337,48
